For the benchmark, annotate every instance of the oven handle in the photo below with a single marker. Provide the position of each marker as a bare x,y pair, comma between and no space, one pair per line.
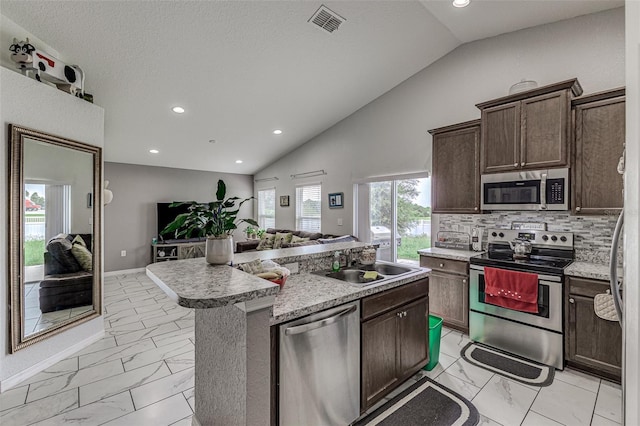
549,278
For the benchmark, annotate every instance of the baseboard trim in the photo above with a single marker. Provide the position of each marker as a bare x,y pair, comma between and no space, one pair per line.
16,379
123,272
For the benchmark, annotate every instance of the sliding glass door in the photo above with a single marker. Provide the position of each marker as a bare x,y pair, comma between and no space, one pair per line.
396,214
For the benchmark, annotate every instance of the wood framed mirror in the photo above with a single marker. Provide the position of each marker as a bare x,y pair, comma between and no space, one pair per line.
55,200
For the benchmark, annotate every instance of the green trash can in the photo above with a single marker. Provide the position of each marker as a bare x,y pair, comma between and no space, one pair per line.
435,331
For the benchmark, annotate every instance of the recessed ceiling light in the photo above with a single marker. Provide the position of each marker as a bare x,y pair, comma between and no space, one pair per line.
461,3
238,161
277,132
177,109
154,151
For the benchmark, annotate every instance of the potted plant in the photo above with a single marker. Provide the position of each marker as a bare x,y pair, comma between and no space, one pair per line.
260,232
251,232
215,220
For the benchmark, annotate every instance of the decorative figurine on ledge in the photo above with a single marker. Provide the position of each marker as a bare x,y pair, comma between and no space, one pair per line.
68,78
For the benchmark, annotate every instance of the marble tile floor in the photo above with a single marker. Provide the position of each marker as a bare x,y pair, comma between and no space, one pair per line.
35,320
142,373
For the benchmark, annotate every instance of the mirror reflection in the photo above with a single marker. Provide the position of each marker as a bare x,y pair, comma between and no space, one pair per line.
54,220
58,260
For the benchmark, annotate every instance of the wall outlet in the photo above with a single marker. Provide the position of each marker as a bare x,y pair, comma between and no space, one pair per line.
339,221
123,253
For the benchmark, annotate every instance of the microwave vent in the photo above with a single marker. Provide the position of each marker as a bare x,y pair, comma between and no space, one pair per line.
326,19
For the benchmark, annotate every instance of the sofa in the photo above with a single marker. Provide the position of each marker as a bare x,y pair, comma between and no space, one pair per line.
314,238
68,281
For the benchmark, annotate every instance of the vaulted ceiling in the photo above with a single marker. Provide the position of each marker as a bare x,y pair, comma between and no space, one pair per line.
242,69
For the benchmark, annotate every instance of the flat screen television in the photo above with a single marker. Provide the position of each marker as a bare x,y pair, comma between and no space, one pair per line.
166,215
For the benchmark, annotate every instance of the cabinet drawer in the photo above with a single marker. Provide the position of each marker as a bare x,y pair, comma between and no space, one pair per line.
391,299
587,287
445,265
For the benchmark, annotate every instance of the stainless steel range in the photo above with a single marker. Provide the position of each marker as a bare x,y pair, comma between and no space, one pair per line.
535,336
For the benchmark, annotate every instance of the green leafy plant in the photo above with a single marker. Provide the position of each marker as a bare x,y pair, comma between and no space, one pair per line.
260,232
250,230
217,218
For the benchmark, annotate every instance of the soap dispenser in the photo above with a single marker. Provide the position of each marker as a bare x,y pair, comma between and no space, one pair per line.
335,266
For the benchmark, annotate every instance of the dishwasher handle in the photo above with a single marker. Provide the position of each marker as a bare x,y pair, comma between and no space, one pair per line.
320,323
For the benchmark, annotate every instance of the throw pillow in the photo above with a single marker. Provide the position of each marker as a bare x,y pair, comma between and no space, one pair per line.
266,243
83,256
60,250
79,240
282,238
296,239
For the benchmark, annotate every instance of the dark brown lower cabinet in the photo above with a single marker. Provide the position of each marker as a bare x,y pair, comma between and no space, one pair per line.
394,340
449,291
592,344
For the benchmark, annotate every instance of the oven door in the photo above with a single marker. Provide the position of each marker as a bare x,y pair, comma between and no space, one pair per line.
549,314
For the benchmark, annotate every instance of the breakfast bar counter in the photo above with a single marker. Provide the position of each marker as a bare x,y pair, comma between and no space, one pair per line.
233,315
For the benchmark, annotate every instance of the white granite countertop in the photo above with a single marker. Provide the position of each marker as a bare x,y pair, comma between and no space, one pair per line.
304,294
594,271
463,255
292,254
193,283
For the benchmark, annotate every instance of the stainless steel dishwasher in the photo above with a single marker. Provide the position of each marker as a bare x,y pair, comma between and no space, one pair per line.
320,368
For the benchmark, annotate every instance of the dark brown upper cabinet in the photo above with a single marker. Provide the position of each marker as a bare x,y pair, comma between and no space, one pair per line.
528,130
455,184
599,143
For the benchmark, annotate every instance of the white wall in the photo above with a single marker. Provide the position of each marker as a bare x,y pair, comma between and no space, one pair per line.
389,135
632,219
25,102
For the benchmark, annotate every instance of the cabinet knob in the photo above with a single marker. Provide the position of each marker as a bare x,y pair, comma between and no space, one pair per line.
577,209
475,208
515,164
404,313
442,265
572,300
523,164
464,281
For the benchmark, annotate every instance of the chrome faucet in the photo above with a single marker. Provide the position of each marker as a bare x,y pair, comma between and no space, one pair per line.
349,257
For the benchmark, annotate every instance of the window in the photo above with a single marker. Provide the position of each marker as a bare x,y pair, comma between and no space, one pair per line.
267,208
308,208
396,214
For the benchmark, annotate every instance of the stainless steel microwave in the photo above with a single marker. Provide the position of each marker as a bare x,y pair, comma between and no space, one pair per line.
526,190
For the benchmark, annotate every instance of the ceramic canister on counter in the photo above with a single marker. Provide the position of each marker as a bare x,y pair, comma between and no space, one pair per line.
368,256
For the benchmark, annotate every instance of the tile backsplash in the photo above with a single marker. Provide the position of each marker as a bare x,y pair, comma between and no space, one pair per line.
592,234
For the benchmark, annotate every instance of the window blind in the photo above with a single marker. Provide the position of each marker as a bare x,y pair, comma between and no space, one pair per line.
308,208
267,208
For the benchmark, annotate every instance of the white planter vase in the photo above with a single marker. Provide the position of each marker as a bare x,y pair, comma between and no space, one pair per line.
219,250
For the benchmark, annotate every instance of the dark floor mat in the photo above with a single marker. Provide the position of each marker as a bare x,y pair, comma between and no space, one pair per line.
508,365
424,403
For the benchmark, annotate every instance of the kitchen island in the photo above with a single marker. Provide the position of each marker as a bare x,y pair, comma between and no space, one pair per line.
232,378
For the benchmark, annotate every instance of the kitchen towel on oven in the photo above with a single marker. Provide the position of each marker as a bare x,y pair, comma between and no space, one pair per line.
511,289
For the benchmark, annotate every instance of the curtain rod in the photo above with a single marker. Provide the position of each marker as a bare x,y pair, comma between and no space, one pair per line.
308,174
266,179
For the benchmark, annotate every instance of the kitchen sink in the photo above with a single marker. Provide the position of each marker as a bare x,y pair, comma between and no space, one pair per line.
387,269
355,274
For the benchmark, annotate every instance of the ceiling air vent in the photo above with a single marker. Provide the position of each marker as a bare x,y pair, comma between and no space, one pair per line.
326,19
